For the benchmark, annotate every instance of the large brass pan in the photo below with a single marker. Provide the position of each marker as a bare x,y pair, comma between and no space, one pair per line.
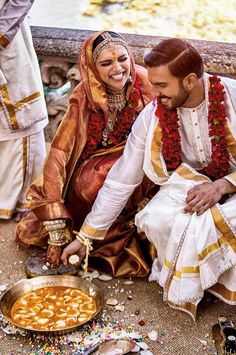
28,285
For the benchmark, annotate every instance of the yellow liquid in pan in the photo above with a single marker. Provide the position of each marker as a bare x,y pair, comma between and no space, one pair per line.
53,308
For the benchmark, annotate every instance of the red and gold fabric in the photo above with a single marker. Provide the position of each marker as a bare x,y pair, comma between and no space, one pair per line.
69,182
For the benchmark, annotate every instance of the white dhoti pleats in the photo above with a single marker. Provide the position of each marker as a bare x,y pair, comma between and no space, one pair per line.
21,162
195,253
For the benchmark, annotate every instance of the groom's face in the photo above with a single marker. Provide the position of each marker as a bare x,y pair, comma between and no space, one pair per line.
167,87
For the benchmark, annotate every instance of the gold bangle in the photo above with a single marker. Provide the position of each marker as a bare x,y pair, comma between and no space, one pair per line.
55,224
58,244
57,238
88,245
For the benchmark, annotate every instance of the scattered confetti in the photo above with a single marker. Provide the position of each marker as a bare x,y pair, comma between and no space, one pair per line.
129,282
89,275
105,277
81,341
120,307
143,345
203,342
3,288
11,330
112,302
152,335
146,352
91,292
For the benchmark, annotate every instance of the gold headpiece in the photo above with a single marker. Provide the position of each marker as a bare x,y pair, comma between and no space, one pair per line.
108,39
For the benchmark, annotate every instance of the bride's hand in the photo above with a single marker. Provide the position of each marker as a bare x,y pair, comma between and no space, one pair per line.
74,247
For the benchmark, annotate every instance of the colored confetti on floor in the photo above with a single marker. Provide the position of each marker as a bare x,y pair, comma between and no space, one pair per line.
78,342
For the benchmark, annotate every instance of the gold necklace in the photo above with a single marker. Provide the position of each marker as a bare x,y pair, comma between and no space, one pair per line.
116,102
116,99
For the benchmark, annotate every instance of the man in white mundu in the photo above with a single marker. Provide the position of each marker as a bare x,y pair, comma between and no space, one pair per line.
23,113
184,141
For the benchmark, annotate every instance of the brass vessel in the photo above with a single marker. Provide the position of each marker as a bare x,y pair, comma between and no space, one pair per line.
28,285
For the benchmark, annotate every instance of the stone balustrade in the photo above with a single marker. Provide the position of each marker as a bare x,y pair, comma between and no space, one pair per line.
58,48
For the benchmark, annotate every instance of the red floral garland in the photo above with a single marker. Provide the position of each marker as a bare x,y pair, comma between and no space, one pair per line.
171,147
125,118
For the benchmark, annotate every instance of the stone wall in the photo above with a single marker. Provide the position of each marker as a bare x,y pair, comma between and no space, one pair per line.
58,48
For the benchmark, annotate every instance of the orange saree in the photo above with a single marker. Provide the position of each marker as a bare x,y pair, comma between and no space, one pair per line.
123,252
74,172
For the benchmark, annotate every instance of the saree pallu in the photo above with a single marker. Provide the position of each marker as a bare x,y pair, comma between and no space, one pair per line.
123,252
195,253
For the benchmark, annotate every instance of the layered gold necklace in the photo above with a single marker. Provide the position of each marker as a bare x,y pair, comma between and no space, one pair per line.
116,102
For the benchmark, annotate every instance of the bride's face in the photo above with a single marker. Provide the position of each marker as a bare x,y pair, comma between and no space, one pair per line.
113,65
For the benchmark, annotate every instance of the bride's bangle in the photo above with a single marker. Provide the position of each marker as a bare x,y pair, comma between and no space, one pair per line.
55,224
88,245
57,238
56,232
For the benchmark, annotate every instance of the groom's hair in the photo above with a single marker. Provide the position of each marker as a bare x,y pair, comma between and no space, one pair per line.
180,56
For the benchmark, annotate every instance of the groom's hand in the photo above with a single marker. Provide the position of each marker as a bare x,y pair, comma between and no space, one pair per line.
203,196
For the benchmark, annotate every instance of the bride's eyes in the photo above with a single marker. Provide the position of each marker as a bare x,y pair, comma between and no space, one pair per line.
109,62
105,64
123,59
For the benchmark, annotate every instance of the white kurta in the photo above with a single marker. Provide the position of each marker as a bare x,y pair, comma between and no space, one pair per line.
23,113
22,105
195,253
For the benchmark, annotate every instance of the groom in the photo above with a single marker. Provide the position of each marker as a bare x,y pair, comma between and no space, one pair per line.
185,142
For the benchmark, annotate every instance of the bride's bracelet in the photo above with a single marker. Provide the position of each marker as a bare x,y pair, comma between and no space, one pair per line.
88,245
56,232
55,224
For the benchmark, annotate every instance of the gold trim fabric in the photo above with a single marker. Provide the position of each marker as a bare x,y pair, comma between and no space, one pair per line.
221,224
89,232
181,271
224,293
48,193
156,152
13,107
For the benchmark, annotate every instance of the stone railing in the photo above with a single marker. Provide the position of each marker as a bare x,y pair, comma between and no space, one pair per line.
58,48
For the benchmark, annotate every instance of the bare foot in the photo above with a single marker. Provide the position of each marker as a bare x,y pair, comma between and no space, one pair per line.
19,215
54,255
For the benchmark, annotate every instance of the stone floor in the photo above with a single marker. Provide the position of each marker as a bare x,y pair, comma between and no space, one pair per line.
177,332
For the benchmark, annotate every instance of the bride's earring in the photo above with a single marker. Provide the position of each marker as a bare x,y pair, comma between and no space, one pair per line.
129,79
